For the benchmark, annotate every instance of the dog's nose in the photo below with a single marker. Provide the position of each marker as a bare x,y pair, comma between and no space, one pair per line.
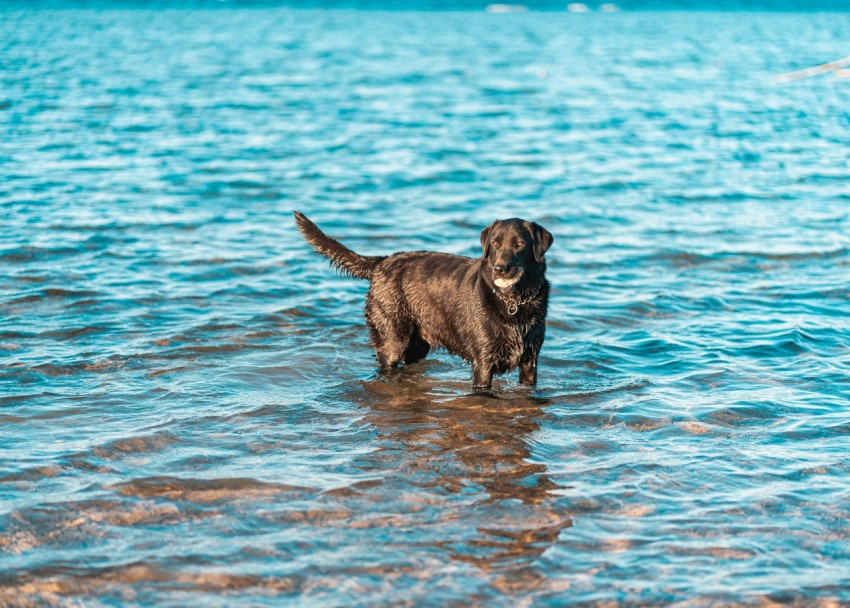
499,268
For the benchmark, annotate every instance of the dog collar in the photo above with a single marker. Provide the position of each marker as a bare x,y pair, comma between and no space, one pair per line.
512,303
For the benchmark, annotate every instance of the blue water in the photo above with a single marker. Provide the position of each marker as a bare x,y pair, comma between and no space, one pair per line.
189,409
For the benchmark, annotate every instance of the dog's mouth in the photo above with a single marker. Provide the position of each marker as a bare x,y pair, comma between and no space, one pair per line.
508,281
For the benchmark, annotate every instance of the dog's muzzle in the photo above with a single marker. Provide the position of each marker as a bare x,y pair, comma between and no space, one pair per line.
504,281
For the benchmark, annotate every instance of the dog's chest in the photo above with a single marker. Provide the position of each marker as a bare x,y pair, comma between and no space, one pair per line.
507,345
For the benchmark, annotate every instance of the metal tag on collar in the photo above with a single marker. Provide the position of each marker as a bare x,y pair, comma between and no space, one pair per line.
513,305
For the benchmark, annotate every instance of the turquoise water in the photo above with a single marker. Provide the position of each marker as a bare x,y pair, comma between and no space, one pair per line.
189,408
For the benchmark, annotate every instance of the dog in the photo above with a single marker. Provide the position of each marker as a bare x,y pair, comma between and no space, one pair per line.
491,311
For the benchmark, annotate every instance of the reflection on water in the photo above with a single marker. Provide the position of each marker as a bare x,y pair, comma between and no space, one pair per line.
189,411
472,449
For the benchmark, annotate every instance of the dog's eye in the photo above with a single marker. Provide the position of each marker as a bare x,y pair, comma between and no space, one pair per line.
519,244
495,244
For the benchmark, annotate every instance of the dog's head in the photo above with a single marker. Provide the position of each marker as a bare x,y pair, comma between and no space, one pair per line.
513,249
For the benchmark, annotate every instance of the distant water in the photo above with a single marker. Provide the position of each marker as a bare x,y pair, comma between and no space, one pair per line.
189,410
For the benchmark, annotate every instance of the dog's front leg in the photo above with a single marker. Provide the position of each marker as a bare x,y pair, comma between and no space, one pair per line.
482,375
528,359
528,369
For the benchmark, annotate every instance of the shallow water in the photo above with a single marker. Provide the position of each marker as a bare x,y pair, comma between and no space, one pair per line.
189,405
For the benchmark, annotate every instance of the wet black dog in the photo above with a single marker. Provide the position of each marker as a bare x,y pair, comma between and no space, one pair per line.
490,310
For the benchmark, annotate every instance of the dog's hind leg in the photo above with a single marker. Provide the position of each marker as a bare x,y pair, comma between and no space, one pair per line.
389,348
482,375
390,334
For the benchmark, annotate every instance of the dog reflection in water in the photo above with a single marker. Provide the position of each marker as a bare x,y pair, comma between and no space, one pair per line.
467,459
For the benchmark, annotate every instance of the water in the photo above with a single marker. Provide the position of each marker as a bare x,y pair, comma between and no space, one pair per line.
189,404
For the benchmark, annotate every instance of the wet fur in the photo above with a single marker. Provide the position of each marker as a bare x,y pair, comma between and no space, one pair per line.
420,299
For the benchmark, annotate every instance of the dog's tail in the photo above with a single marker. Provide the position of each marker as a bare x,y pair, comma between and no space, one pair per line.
340,256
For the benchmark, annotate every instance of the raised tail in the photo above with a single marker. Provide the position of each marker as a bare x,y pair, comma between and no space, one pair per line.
340,256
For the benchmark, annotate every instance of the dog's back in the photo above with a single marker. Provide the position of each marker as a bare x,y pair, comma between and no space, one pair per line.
426,294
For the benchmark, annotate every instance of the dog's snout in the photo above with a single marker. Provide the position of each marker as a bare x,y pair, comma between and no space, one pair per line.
499,268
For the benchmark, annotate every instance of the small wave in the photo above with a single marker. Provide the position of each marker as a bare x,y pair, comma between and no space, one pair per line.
789,256
15,335
75,332
779,344
30,254
136,445
48,586
48,297
743,414
456,176
675,258
29,374
598,387
34,474
203,490
77,522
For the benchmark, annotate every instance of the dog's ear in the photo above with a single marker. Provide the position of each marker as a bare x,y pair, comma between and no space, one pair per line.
485,238
542,240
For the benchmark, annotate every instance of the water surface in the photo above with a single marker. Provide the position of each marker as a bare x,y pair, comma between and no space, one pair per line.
189,405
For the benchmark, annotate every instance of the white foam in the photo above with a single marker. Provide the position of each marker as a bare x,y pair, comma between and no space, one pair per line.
506,8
